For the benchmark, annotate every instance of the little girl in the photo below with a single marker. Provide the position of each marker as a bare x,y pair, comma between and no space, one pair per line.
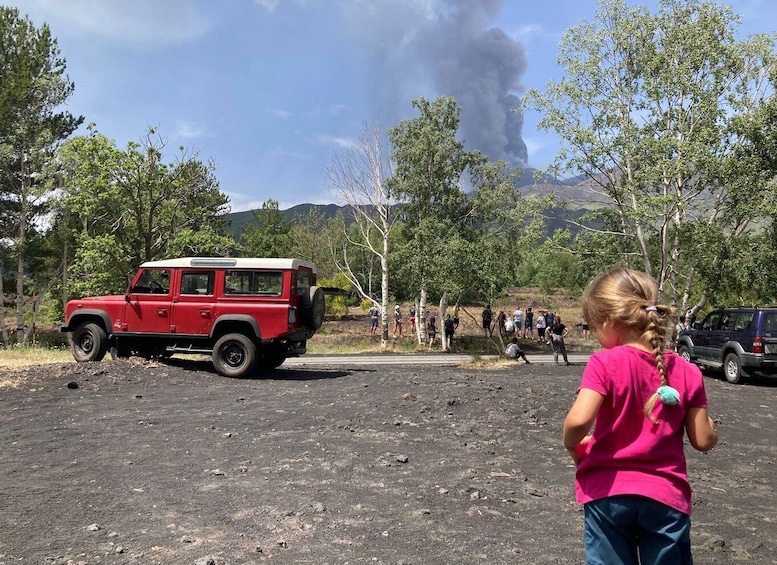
631,473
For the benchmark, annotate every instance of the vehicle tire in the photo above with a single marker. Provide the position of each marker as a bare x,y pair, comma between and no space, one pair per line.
732,369
234,355
684,352
120,352
272,357
313,308
90,342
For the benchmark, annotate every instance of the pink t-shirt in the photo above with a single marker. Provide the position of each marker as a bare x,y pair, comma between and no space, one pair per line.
628,454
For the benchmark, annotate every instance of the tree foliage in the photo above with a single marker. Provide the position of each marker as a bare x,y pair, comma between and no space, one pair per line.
128,206
646,111
33,88
269,235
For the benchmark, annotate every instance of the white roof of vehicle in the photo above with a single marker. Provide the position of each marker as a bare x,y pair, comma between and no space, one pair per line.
231,263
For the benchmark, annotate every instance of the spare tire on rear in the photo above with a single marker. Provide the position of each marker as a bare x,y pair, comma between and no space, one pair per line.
313,308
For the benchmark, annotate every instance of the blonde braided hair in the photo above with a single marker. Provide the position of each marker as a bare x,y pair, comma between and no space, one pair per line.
629,297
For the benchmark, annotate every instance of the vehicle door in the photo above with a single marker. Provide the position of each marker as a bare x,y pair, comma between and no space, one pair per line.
701,338
722,334
149,303
194,306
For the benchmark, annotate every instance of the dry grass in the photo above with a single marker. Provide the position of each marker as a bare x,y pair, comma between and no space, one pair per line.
19,357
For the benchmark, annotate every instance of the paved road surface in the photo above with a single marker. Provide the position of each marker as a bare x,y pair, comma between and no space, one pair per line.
439,359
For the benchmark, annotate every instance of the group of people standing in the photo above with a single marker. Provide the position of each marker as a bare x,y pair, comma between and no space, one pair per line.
550,329
449,325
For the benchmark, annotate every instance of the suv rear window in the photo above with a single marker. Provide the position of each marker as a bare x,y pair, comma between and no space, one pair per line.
253,283
770,322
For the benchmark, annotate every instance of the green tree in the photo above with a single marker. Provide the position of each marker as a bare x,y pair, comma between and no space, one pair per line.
130,207
645,112
33,87
269,236
429,163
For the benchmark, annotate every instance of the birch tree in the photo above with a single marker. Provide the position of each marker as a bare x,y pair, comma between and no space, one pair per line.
359,178
645,113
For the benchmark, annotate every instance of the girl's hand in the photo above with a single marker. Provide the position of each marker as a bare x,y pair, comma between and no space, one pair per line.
580,450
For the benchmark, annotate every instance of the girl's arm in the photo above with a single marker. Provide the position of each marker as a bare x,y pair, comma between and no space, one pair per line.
579,420
700,429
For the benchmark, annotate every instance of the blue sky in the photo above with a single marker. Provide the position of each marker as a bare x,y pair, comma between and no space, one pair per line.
270,90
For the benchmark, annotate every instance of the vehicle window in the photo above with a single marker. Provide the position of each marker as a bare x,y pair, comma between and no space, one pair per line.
711,321
770,322
303,282
197,283
727,321
743,321
153,281
253,283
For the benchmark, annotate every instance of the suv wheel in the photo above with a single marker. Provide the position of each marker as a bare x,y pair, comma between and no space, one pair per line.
273,357
684,352
313,308
234,355
732,369
90,342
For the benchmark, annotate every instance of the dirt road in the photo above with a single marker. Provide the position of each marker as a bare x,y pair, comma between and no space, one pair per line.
171,463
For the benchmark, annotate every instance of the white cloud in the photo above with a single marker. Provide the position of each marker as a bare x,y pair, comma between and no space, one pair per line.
269,4
344,142
283,114
190,130
337,109
144,23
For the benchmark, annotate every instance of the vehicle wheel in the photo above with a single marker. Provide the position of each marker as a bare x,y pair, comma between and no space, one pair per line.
234,355
90,342
120,352
313,308
684,352
272,357
732,369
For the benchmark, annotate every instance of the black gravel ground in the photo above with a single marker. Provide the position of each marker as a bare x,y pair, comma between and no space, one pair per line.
128,462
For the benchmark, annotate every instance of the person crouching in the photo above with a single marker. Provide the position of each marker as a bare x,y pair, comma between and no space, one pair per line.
513,351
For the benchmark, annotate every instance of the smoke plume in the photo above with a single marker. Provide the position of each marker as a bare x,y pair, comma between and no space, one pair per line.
445,48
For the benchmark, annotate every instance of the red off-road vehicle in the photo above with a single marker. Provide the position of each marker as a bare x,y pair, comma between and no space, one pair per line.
245,313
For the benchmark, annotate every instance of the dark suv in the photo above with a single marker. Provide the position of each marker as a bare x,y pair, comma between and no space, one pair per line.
741,341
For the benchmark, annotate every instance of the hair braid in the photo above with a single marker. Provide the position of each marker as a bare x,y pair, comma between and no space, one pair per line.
655,333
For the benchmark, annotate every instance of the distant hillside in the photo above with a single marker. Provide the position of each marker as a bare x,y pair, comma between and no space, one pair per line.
570,190
239,219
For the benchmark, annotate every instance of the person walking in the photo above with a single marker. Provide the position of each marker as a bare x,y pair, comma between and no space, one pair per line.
397,321
449,328
374,313
431,331
487,316
550,318
541,325
557,334
412,319
528,324
518,321
640,400
501,319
